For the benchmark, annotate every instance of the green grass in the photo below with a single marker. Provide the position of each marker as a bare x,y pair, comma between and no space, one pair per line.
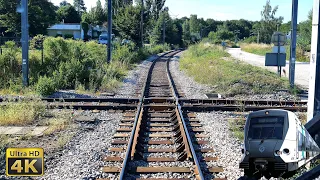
262,49
209,64
21,113
259,49
236,126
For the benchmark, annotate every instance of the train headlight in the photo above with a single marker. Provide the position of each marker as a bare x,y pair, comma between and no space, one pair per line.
277,152
286,151
247,152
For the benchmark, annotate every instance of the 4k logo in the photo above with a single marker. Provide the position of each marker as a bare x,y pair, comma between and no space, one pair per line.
24,162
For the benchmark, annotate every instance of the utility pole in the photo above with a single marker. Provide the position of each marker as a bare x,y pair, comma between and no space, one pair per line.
236,37
141,25
314,84
164,31
25,42
258,39
293,42
109,30
164,25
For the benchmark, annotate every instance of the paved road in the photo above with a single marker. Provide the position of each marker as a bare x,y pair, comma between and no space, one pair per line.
302,68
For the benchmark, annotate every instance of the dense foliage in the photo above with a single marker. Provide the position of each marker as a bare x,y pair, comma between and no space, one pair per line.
69,63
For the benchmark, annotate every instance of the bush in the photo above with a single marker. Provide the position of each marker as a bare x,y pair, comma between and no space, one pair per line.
45,86
68,62
10,64
37,42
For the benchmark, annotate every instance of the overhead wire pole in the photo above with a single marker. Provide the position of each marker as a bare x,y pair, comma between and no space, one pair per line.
314,84
164,31
25,42
109,30
141,25
293,42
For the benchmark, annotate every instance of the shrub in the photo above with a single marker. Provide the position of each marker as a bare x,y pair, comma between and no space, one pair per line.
45,86
37,42
10,64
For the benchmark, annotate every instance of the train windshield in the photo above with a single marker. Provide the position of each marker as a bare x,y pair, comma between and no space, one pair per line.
266,128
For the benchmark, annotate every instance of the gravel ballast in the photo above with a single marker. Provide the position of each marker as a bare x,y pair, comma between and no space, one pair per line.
81,158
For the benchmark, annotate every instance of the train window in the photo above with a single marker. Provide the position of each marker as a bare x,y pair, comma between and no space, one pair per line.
266,128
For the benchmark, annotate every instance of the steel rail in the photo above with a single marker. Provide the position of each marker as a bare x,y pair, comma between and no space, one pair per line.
137,116
189,140
128,152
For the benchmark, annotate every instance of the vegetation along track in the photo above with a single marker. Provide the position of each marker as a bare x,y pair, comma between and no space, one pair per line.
159,141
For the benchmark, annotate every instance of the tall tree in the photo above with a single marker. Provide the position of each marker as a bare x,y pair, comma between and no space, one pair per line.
186,36
194,24
269,22
127,23
64,3
41,15
99,14
79,6
68,14
305,32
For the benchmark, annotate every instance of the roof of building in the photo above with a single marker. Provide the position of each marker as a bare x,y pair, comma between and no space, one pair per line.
65,27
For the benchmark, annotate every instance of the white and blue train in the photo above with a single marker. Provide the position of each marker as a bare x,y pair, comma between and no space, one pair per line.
275,142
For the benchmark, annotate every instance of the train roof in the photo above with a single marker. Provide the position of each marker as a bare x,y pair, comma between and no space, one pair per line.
271,110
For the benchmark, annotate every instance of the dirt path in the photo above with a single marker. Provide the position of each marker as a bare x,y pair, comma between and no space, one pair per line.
302,68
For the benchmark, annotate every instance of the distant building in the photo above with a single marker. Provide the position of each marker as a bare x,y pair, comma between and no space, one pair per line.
75,30
65,29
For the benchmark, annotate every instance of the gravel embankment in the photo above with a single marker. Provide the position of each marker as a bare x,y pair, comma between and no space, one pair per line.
192,89
81,158
227,148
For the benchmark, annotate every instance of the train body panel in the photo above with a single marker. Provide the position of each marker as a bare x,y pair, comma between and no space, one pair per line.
275,140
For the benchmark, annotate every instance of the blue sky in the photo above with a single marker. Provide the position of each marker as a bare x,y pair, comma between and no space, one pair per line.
226,9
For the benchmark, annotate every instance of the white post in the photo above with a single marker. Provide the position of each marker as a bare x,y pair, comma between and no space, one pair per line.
314,87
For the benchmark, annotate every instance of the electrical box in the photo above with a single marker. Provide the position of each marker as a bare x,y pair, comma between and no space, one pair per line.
272,59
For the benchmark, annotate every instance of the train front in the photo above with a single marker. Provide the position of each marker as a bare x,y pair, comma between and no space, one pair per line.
265,132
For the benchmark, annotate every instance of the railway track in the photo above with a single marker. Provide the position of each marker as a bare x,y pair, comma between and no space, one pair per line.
196,105
159,140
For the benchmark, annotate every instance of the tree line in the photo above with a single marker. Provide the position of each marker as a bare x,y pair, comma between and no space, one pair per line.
158,25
